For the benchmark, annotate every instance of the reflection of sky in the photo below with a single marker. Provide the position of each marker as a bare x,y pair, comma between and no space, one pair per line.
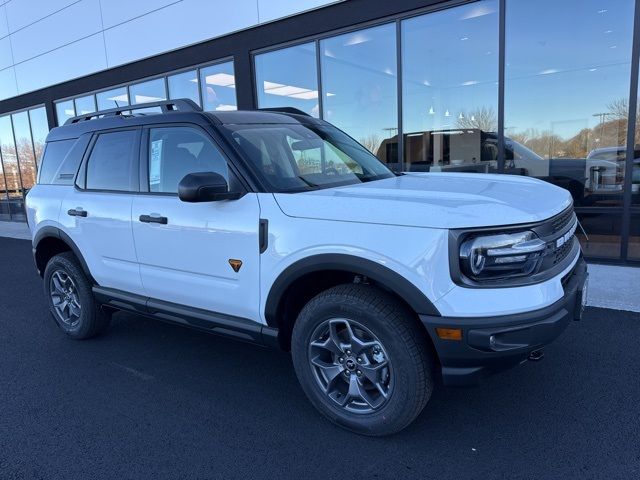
565,62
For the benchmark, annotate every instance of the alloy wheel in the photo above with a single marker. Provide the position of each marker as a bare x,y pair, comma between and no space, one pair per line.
351,365
65,298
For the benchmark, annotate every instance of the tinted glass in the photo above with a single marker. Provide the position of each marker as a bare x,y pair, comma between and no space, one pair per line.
450,89
59,166
599,234
184,85
288,78
359,88
9,158
113,98
85,105
634,237
567,78
64,111
39,130
111,165
4,205
305,157
11,169
24,148
218,85
176,152
151,91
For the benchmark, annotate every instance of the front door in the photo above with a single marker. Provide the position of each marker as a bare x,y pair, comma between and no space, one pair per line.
203,255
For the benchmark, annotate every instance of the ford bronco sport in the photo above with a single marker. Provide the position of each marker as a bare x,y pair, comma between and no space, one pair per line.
278,228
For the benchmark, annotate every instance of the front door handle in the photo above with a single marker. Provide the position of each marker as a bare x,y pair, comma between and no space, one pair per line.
77,212
153,219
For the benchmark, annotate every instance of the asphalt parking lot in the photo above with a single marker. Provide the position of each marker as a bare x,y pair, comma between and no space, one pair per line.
150,400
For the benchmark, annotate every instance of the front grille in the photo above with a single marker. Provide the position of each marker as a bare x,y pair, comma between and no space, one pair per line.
561,253
562,220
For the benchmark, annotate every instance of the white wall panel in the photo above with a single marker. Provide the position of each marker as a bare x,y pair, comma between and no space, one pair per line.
189,21
273,9
119,11
8,83
23,12
5,53
4,29
75,60
77,21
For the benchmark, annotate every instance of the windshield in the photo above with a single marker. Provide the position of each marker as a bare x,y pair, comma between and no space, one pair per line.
295,157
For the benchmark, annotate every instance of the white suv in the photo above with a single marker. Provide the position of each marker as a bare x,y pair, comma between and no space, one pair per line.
277,228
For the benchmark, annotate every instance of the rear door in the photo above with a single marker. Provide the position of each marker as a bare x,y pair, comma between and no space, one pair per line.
202,255
97,213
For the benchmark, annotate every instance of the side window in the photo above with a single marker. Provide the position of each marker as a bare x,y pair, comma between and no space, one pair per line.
112,165
177,151
61,161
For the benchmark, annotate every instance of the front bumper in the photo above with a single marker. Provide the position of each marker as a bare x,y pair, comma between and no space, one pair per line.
491,344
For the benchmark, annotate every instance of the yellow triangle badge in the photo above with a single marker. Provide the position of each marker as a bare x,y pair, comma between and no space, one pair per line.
235,264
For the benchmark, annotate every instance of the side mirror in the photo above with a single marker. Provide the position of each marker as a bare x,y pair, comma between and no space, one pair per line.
205,187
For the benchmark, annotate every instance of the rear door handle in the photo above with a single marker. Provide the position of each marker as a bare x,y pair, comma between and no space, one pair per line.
77,212
153,219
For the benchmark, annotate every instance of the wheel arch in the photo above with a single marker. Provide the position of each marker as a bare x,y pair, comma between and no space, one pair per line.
50,241
316,273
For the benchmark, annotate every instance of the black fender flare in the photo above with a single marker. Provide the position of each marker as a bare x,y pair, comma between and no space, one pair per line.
54,232
393,281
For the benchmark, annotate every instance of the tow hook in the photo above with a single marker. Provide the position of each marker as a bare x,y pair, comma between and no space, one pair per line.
536,355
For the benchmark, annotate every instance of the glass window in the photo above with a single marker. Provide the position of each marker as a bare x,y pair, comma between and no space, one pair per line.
288,78
599,234
634,237
567,77
293,157
359,88
59,166
218,85
184,85
24,149
145,92
450,89
39,130
85,105
4,199
177,151
114,98
11,169
112,164
64,111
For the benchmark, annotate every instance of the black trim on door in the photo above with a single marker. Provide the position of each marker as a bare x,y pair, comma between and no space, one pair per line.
204,320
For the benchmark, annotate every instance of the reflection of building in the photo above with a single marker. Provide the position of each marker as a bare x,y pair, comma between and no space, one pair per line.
382,71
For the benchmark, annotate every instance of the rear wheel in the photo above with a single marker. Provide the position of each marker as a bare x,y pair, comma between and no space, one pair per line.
70,298
362,360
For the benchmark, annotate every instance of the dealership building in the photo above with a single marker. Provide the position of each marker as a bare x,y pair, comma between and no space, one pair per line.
544,88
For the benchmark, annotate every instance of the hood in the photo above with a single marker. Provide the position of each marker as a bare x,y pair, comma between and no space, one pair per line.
433,200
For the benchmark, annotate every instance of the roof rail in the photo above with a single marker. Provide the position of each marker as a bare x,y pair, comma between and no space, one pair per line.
179,104
297,111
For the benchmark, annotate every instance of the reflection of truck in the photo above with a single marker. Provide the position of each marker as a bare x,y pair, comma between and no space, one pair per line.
598,178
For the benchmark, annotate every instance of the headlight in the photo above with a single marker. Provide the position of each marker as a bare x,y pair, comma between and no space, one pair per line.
493,257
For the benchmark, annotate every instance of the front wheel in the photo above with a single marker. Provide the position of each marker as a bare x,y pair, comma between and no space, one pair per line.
362,360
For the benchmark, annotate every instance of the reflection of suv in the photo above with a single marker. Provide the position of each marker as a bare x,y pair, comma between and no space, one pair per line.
280,229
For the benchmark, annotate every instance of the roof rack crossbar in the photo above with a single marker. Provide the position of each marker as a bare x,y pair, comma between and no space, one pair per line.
179,104
297,111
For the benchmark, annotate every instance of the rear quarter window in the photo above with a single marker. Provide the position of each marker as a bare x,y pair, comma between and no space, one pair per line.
61,161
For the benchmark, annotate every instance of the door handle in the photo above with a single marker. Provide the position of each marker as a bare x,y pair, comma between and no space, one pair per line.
77,212
153,219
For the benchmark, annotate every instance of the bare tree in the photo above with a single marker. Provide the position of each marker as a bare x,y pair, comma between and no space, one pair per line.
483,118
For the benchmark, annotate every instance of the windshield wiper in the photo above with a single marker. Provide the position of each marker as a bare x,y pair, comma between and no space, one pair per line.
310,184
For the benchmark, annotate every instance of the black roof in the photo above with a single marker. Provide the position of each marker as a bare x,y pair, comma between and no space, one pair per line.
90,124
